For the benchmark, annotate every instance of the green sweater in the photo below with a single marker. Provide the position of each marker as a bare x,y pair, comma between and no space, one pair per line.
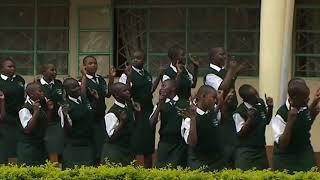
14,94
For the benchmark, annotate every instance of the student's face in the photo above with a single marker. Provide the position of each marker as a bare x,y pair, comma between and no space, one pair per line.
50,73
8,68
37,93
166,88
74,90
180,58
91,65
253,96
299,101
138,61
124,93
220,57
210,100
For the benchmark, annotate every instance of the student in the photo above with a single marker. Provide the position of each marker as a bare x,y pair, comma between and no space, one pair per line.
53,90
251,119
177,71
97,91
142,89
3,157
77,119
34,117
120,123
200,130
172,150
221,74
291,129
12,85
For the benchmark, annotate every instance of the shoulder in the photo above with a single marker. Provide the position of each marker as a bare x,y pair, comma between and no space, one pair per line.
101,79
20,79
57,81
283,111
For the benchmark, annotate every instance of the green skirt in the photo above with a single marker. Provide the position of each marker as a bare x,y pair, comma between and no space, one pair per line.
31,154
208,162
299,161
10,137
78,155
3,152
54,138
99,135
249,157
116,154
143,137
173,155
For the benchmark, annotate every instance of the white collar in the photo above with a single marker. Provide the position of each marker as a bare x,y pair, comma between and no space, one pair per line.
249,106
137,70
29,100
173,68
288,106
43,82
200,111
4,77
215,67
74,99
175,99
91,77
119,104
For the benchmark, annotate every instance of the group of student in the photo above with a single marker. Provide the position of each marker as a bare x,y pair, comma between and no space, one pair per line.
67,121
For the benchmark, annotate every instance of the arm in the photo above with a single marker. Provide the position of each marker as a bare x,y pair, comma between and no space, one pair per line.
24,115
83,83
112,74
246,124
50,107
269,102
314,109
117,124
156,111
157,81
193,137
195,63
2,106
189,125
285,138
231,74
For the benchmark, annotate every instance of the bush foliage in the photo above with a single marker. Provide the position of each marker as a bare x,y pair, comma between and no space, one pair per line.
50,171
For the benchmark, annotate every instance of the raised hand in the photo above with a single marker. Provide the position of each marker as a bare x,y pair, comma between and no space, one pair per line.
123,117
230,96
112,72
269,100
128,69
252,113
94,93
50,104
292,114
83,71
162,96
195,60
2,98
36,106
190,112
136,106
180,66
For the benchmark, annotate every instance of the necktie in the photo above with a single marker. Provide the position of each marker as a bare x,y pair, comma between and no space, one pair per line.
172,102
79,101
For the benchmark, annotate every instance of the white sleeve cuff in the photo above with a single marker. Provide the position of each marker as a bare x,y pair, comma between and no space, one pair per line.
24,116
154,110
239,121
111,122
185,129
60,113
278,125
213,81
165,77
123,79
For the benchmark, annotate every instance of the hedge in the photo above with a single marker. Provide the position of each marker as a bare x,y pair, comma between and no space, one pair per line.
50,171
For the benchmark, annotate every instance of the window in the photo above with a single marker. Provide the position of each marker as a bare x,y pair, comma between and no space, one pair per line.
195,27
307,37
95,36
35,32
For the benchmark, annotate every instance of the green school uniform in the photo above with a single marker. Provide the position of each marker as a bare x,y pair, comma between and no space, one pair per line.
143,134
99,107
184,85
79,146
298,155
13,90
54,133
208,152
120,149
31,146
172,150
251,152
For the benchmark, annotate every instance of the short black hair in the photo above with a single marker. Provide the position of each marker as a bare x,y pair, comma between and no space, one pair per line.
5,60
45,67
213,52
84,60
138,53
204,90
32,86
297,87
68,82
244,91
173,51
114,88
172,83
